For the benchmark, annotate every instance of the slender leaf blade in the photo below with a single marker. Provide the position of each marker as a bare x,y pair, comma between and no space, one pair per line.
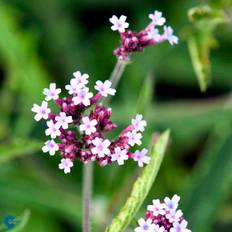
141,187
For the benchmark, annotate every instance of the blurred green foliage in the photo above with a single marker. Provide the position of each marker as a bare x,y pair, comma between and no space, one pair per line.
46,41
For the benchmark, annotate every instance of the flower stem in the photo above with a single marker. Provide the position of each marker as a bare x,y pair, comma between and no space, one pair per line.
117,72
87,192
88,168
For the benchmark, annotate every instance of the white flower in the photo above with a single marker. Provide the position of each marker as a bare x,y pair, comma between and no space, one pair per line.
82,96
174,216
100,147
104,88
157,18
146,226
172,204
119,24
77,83
52,92
53,129
73,87
119,155
138,123
63,120
168,33
88,125
141,157
158,229
51,147
180,227
66,164
154,34
134,138
41,111
157,208
82,80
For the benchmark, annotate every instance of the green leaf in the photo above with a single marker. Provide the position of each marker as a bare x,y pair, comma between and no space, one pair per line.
141,187
20,223
201,40
145,96
17,148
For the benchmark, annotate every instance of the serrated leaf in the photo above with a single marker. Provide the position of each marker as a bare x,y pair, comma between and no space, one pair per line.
141,187
18,148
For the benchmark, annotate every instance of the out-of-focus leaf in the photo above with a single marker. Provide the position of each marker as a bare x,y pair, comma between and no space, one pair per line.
43,196
25,77
145,96
201,40
211,180
18,148
141,187
18,224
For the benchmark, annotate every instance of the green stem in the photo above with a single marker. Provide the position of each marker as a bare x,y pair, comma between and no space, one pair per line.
87,192
88,168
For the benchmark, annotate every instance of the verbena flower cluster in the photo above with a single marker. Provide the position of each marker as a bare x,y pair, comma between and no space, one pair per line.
80,127
163,217
136,41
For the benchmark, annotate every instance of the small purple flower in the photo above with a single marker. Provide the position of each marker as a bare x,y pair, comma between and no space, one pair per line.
137,41
163,217
80,127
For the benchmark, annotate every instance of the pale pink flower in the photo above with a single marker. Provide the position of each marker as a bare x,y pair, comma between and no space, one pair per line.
52,92
51,147
41,111
119,155
66,164
119,24
88,125
104,88
101,147
63,120
53,129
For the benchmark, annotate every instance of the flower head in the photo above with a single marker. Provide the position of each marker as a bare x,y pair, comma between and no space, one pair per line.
119,24
79,127
41,111
52,92
132,41
160,218
66,165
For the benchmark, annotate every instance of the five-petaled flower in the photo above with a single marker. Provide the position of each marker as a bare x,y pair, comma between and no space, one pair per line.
104,88
41,111
141,157
51,147
66,164
52,92
119,24
119,155
88,126
101,147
